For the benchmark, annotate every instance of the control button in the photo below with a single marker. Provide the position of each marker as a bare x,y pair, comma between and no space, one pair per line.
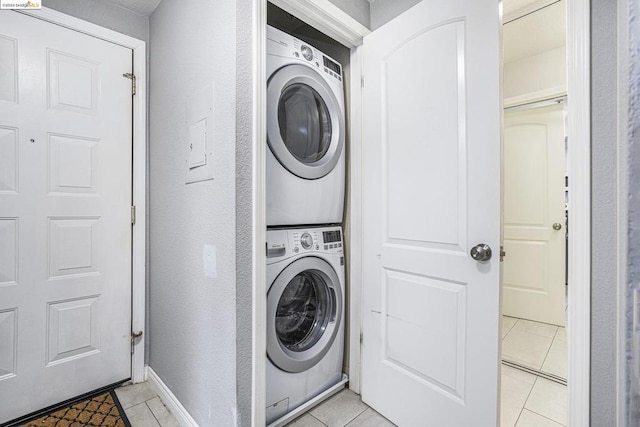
317,64
326,247
339,78
307,52
296,54
306,240
317,247
296,249
339,245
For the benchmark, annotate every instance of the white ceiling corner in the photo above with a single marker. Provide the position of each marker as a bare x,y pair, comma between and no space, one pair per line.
143,7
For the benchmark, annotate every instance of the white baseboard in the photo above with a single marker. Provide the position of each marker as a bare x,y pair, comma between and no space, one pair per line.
171,402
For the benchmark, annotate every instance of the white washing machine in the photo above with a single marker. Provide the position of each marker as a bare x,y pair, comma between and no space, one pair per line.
305,133
305,316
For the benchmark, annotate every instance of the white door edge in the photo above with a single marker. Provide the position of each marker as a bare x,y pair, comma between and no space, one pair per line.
579,317
355,218
139,166
579,165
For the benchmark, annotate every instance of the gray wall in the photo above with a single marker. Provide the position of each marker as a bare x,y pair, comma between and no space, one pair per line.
358,9
245,196
604,191
382,11
105,14
192,317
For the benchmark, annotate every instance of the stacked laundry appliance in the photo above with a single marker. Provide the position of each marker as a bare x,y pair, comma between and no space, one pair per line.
305,201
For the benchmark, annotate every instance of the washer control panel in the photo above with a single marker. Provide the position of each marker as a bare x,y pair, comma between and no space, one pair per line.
283,243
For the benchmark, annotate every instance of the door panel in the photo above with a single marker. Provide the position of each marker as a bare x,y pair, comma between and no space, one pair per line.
534,171
431,192
65,216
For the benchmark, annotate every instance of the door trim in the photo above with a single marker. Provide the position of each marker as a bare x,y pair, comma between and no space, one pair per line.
139,188
579,165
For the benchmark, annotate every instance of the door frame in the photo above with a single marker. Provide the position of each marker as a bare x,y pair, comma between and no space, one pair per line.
139,123
328,18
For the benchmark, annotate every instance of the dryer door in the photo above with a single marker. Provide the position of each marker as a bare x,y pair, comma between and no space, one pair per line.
304,311
305,122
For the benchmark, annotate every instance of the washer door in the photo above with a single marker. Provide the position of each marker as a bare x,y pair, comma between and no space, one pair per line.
304,310
305,124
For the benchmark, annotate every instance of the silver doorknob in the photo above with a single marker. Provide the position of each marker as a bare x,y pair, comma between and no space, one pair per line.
481,252
557,226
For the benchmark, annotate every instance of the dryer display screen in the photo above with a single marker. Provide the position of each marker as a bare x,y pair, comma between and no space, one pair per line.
331,236
331,65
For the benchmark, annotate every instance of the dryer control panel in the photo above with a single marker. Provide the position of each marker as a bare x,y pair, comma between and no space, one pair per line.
286,45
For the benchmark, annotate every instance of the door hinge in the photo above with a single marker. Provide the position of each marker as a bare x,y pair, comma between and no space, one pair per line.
502,253
134,335
362,81
133,215
360,338
132,77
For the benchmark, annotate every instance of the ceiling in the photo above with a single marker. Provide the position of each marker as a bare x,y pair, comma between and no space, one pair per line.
143,7
535,32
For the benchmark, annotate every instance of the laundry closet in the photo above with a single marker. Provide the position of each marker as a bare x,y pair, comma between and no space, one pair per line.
422,218
305,200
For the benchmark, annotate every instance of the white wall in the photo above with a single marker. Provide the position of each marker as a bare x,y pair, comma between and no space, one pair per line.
105,14
383,11
358,9
192,317
536,77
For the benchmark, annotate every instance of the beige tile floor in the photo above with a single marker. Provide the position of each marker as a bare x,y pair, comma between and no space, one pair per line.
143,406
342,409
526,400
536,345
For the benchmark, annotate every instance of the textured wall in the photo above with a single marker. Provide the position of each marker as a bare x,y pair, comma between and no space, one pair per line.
245,208
604,220
358,9
382,11
105,14
192,317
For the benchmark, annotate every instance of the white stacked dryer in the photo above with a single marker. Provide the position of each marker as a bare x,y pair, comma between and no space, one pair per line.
305,133
305,316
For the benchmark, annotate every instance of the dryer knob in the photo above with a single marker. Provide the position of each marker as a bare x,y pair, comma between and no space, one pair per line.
306,240
307,52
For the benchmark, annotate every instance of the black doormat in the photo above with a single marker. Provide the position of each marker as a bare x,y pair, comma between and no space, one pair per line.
101,409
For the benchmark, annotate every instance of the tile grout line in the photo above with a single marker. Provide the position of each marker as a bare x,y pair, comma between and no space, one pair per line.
317,419
548,350
151,410
546,418
525,401
353,419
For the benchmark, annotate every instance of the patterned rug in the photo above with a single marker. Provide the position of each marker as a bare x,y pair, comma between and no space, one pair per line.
101,410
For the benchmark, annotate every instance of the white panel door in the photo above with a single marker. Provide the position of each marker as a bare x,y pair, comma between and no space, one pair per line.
534,200
65,223
432,192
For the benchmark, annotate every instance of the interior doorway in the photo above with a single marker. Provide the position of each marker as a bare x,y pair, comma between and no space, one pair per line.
535,214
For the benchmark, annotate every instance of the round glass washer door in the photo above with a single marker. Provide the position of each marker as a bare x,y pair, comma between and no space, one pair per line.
304,310
305,124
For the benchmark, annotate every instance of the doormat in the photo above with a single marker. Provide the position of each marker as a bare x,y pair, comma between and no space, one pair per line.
102,409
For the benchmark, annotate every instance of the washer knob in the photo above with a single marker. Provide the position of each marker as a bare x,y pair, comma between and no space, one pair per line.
307,52
306,240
